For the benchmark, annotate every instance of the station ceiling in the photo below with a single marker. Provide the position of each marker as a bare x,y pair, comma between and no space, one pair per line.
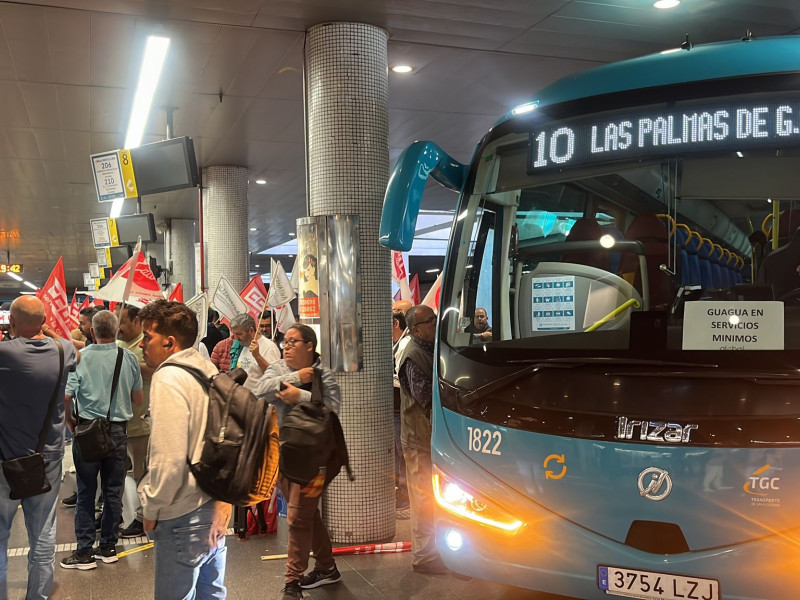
68,70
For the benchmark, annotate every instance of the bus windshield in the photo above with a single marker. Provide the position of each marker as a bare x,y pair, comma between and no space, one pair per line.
663,245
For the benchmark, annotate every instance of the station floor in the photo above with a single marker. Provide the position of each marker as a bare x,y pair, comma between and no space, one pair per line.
367,577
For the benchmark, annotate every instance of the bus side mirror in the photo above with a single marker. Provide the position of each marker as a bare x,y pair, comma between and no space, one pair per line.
406,186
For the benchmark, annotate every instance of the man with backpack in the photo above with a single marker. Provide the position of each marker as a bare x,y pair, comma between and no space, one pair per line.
286,383
188,526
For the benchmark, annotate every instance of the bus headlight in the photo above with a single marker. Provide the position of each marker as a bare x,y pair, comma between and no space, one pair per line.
455,498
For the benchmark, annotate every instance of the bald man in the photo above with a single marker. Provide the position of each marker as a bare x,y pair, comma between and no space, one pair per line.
28,377
403,305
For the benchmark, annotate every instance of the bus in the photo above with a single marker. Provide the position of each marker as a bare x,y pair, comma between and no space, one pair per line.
628,424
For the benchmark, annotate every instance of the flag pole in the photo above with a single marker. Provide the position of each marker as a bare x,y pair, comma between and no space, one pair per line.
129,282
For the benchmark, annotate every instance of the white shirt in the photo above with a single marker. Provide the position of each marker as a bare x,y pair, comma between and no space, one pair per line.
267,349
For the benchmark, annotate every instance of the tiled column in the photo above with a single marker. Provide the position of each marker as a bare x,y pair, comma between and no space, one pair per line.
347,144
181,253
225,227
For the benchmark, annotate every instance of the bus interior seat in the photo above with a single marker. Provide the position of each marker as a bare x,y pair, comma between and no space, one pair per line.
779,267
687,241
652,232
586,230
595,292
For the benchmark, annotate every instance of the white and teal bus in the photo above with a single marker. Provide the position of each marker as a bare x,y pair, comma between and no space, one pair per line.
631,428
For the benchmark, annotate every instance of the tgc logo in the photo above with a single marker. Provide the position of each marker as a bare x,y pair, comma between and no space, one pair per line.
757,485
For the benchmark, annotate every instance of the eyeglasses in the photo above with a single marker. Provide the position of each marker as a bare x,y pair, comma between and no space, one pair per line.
426,321
290,343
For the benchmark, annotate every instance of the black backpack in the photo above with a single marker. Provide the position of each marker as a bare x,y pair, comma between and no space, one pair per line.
311,438
239,461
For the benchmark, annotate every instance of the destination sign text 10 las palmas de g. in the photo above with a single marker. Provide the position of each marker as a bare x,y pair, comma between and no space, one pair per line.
708,125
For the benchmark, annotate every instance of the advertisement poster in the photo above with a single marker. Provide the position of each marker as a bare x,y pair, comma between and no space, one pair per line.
308,255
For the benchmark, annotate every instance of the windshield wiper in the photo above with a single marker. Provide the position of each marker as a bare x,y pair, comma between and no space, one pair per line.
606,360
757,376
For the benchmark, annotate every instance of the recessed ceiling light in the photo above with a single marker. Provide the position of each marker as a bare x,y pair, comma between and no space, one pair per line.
254,229
402,69
258,266
666,3
739,154
291,256
261,181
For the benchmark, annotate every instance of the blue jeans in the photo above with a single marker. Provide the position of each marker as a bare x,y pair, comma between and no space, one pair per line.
189,564
112,478
40,521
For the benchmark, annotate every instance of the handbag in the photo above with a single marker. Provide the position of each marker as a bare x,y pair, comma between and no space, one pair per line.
93,436
26,475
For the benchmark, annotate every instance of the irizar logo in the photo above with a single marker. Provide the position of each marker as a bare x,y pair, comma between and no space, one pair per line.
654,431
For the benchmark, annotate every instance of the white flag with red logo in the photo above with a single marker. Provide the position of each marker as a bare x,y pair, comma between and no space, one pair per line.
284,318
54,297
294,280
133,283
432,297
177,293
400,275
226,300
254,295
280,288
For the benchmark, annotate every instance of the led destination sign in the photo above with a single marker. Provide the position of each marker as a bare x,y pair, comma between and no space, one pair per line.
710,125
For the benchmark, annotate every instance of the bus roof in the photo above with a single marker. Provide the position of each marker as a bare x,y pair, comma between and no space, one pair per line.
721,60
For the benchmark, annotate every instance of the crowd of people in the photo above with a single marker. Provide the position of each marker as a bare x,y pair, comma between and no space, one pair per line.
115,369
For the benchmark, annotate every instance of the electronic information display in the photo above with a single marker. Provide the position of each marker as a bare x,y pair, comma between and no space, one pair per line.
708,125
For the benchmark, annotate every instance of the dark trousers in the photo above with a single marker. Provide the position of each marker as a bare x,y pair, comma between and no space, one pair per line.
307,532
112,478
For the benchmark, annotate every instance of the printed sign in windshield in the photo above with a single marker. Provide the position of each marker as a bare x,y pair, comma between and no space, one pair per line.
553,303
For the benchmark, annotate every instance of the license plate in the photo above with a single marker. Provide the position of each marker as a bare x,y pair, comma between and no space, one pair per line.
647,585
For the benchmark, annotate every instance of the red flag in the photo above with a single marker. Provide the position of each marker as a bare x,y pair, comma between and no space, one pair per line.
414,290
84,304
254,295
54,297
98,302
74,308
177,294
112,305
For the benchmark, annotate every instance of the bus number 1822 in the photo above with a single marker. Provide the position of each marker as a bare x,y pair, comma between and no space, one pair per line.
484,441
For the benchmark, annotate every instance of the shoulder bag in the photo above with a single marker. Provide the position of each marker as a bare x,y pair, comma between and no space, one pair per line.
26,475
94,436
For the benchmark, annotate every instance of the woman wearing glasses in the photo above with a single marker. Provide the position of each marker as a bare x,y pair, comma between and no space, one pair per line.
285,383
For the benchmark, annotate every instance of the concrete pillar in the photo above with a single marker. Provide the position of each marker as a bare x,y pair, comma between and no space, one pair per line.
225,229
347,144
181,254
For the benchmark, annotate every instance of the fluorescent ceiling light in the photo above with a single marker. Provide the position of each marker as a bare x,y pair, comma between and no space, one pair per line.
30,285
739,154
666,3
671,51
402,69
292,234
432,270
254,229
261,181
258,266
14,276
155,52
